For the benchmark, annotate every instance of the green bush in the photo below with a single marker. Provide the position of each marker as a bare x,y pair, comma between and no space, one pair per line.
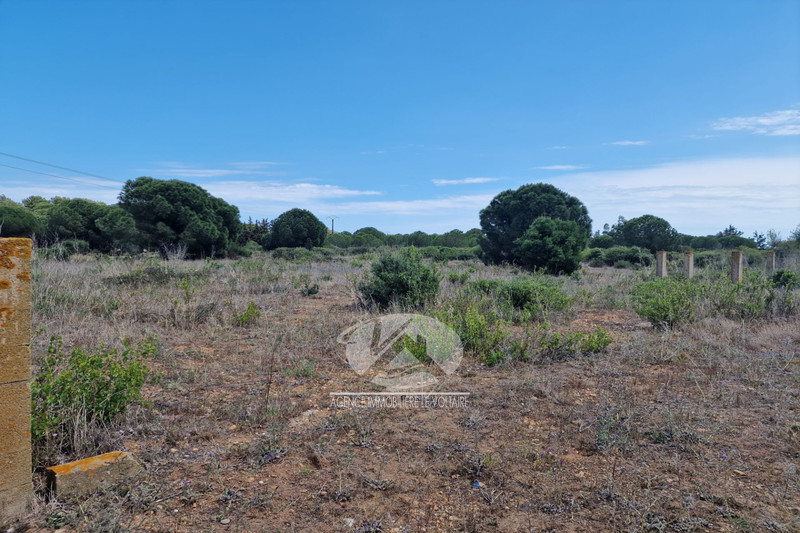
537,297
486,286
81,389
458,277
293,254
249,316
481,331
666,302
404,279
558,346
785,278
591,254
750,299
632,254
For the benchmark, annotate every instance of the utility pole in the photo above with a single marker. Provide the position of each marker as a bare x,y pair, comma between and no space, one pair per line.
331,218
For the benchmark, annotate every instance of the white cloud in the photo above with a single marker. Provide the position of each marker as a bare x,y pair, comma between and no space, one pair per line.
465,181
697,197
431,207
558,147
630,143
242,168
280,192
785,122
560,167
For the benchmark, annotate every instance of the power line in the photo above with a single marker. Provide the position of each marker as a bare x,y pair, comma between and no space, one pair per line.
59,177
58,167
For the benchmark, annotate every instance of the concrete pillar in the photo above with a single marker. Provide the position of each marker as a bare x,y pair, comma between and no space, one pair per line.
16,489
688,263
736,266
770,259
661,264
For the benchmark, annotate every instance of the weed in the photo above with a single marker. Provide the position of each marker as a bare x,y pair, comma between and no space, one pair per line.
249,316
310,290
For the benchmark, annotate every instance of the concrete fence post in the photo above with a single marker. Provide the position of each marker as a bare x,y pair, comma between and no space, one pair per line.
770,259
16,489
661,264
736,266
688,263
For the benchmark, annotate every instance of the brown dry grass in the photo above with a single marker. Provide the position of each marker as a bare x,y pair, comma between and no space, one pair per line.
688,430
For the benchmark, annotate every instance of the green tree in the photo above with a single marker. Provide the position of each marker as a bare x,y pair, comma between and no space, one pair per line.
369,237
646,231
296,228
552,244
169,212
117,230
730,231
511,213
16,221
75,219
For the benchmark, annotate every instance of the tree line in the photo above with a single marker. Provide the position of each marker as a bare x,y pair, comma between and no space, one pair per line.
534,226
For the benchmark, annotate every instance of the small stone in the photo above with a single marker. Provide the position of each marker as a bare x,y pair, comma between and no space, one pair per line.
225,521
173,450
232,428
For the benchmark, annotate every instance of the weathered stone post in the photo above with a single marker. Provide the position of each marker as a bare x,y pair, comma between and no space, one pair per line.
688,263
770,259
16,489
661,264
736,266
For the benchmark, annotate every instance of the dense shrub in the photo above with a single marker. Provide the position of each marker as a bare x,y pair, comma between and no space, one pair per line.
666,302
632,254
444,253
785,278
82,389
404,279
293,254
537,297
481,330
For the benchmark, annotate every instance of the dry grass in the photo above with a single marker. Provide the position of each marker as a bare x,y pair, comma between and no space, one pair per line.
686,430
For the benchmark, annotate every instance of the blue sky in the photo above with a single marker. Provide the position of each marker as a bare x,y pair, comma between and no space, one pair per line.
412,115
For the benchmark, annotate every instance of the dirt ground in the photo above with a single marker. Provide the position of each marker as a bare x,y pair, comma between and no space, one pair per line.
688,430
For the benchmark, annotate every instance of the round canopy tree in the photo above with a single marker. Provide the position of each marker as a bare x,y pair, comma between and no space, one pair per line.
17,221
646,231
296,228
510,214
169,212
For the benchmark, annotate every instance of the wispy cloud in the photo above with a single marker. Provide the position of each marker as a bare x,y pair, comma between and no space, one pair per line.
281,192
560,167
241,168
430,207
697,197
629,143
785,122
558,147
465,181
